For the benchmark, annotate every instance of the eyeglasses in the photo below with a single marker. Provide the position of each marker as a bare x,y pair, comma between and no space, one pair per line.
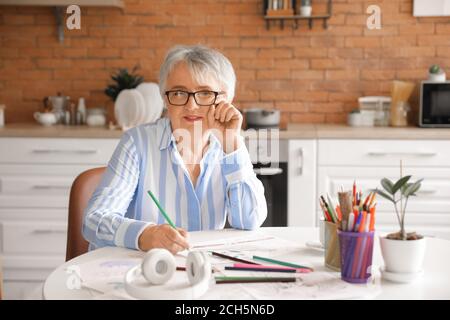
202,98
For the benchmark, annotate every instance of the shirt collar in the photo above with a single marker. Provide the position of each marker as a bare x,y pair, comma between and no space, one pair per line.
166,137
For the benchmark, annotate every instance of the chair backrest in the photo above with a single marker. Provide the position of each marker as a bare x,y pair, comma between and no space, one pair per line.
82,189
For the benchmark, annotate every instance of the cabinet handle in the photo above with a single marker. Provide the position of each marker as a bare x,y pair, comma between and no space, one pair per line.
419,154
49,187
300,161
48,231
57,151
268,171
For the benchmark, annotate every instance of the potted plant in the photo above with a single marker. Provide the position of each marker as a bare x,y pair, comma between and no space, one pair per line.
435,73
123,80
402,251
306,8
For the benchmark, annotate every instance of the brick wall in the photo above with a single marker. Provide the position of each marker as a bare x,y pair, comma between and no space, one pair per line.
313,76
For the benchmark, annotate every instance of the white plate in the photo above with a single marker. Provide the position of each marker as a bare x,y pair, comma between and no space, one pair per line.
120,108
129,108
400,277
139,102
153,101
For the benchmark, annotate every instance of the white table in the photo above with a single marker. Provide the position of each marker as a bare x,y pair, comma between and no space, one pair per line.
435,284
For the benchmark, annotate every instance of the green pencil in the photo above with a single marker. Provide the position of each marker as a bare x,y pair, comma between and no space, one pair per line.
281,263
162,210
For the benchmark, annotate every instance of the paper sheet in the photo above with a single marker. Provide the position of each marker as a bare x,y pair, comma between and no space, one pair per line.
104,277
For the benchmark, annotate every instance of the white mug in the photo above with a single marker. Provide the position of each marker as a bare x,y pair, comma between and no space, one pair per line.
45,118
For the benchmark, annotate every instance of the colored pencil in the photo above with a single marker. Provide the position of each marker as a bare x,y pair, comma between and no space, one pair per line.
161,210
281,263
252,266
222,280
354,193
232,258
260,269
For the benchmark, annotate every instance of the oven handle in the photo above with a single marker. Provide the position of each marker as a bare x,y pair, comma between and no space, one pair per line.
268,171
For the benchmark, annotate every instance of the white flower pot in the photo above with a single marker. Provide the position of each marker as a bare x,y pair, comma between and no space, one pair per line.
437,77
403,256
305,11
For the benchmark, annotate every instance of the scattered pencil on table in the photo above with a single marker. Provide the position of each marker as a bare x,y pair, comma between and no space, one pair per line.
214,253
282,263
266,268
225,279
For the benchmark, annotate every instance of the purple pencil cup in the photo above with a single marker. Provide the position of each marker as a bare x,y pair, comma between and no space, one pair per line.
356,250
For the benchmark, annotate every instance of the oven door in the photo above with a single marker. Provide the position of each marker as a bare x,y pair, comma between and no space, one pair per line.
435,104
274,180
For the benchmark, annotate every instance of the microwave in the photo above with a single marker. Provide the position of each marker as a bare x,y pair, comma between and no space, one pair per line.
434,104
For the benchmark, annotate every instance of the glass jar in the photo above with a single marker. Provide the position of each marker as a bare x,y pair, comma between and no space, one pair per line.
96,117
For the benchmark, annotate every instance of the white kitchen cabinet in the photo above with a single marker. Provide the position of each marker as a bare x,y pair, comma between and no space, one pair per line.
35,179
340,162
302,182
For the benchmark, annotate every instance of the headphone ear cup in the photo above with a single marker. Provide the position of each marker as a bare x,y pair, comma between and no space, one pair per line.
198,267
158,266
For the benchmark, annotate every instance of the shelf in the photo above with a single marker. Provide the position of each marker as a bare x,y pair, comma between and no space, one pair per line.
59,9
310,19
296,17
53,3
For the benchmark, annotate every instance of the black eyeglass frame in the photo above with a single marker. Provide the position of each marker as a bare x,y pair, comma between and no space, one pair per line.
216,94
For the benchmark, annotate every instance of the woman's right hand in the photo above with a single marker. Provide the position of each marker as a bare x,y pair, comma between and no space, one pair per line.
163,236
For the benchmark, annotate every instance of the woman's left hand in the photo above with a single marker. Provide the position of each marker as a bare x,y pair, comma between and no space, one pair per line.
227,119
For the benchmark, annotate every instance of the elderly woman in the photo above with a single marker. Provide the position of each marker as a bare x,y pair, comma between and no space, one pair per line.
194,161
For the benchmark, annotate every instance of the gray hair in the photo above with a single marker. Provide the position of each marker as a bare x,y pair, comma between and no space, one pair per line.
203,63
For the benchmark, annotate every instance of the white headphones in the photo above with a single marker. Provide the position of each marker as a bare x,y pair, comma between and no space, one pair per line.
150,280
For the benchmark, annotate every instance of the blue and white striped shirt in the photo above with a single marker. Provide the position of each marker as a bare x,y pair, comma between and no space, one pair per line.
147,158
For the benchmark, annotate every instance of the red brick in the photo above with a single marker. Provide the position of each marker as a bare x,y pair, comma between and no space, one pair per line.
257,43
307,117
362,42
378,74
273,74
326,107
342,74
277,95
54,63
291,63
310,53
307,74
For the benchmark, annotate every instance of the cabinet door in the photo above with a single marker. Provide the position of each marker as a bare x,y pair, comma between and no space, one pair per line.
428,213
56,150
37,186
301,183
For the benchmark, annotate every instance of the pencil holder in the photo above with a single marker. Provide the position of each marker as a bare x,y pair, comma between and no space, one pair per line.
356,256
332,256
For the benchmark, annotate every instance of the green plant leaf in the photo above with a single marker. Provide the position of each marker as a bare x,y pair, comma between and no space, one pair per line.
412,188
387,185
400,183
385,195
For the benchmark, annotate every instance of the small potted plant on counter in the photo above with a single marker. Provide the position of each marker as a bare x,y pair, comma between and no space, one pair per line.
403,252
436,74
123,80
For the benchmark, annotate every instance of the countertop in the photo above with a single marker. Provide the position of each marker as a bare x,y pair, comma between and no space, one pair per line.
293,131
